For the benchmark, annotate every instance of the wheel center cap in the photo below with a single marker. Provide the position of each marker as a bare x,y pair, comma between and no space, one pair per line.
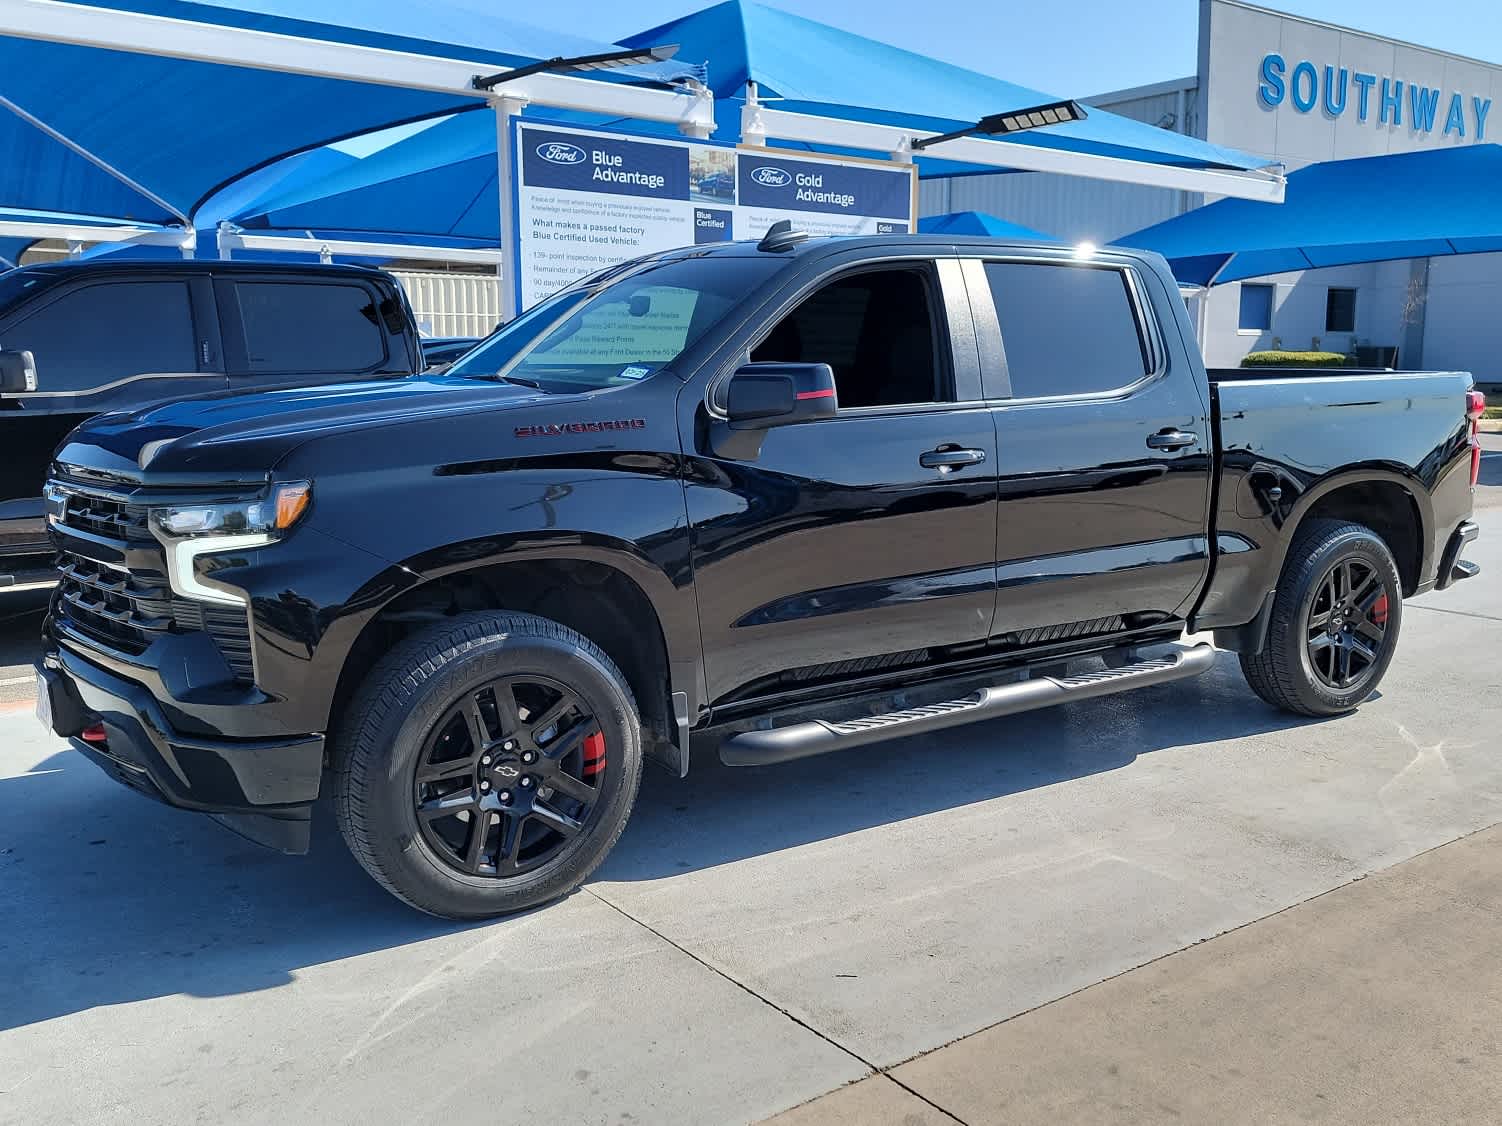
508,770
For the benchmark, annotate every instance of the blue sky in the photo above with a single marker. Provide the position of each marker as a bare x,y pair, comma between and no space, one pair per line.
1073,48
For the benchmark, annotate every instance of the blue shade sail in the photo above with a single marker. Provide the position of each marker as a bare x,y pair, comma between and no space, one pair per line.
183,129
1342,212
977,223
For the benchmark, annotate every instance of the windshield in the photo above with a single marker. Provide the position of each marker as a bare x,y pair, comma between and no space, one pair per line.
583,340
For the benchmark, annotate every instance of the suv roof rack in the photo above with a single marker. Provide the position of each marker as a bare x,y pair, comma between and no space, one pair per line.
781,236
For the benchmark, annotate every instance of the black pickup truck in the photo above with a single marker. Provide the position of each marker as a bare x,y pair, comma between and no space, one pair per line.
779,498
78,338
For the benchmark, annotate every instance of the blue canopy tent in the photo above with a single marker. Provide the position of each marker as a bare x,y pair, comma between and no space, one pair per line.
142,109
439,182
813,68
977,223
442,181
1371,209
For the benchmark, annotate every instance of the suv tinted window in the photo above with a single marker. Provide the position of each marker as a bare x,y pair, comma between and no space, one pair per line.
107,331
299,327
876,330
1067,330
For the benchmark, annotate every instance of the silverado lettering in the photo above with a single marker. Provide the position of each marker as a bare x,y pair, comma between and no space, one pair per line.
555,429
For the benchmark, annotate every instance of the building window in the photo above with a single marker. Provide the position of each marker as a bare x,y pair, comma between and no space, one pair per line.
1256,308
1340,310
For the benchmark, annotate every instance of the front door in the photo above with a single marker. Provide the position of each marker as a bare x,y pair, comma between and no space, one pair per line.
860,543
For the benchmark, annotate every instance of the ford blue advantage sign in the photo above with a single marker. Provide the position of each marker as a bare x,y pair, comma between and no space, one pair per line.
604,164
586,199
834,189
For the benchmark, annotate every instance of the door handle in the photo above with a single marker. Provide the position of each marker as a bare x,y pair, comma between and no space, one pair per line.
1172,439
950,458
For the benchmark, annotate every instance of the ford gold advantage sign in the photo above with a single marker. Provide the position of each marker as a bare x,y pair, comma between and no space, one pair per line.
587,200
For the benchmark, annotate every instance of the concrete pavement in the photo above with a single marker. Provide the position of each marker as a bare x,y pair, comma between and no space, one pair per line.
1375,1003
758,938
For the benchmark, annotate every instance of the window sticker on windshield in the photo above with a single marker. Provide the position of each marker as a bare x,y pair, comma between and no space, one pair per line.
635,372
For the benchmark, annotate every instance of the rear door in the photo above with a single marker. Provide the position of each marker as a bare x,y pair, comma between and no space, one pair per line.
1103,448
843,547
291,328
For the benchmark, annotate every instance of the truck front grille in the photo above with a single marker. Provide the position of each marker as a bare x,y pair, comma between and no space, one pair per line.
127,610
106,516
117,608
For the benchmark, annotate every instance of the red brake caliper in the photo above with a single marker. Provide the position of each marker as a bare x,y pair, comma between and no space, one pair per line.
594,748
1379,610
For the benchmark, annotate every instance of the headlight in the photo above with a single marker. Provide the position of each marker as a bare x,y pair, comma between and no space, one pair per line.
188,531
271,514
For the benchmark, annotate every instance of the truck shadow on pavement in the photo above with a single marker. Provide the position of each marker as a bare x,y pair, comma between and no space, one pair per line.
110,898
1491,470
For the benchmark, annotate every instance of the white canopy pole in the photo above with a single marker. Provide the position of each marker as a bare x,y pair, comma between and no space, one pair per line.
760,122
233,238
506,107
65,231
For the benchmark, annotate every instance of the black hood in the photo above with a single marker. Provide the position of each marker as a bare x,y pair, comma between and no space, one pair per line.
240,436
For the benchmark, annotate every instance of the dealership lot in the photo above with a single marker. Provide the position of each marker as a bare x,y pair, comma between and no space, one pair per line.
759,937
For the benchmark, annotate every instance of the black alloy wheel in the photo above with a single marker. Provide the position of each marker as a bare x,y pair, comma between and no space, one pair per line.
488,764
509,774
1347,624
1336,615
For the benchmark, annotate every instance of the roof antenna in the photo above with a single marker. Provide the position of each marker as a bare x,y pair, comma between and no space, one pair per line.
781,236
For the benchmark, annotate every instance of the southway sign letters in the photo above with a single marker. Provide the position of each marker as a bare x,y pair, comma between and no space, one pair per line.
1383,98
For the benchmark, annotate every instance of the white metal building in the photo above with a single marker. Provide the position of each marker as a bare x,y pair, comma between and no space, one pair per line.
1296,91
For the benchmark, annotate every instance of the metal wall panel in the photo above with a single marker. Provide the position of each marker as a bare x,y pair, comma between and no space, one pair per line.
449,303
1073,208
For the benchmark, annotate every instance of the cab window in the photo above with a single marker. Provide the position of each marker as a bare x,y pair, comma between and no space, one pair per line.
1067,329
100,333
876,330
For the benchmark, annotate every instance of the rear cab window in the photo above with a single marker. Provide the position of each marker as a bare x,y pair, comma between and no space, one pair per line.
291,327
1068,329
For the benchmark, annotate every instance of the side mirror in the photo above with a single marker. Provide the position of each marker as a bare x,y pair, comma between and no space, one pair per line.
761,396
18,372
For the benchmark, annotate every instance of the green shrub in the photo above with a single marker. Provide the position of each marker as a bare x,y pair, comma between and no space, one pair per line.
1281,359
1492,412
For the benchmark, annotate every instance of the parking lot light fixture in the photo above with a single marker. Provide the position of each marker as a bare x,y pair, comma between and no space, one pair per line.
1012,121
609,60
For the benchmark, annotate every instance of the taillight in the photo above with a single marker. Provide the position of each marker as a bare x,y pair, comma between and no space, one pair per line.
1475,407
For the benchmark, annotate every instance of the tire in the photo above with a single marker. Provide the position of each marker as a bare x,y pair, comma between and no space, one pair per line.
1289,673
420,705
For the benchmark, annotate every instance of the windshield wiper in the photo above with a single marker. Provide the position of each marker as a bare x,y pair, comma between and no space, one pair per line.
519,380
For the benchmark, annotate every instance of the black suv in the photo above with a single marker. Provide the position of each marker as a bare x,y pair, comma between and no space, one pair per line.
80,338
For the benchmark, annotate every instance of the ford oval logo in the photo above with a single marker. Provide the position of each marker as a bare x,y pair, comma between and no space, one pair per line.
769,177
556,152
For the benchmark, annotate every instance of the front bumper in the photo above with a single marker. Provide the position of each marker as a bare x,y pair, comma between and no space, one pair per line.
262,788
